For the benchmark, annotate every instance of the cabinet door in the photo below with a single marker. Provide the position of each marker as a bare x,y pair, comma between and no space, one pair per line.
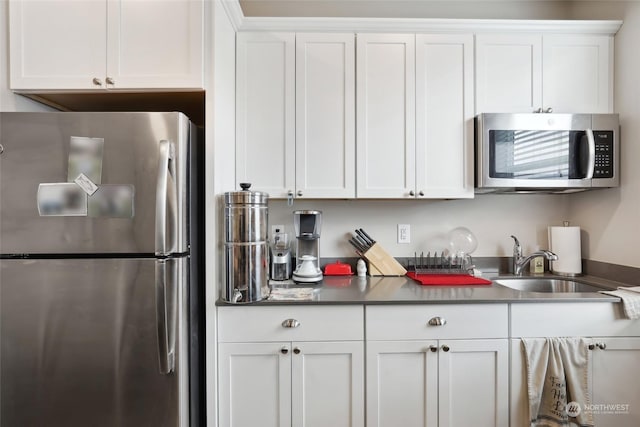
508,73
155,44
328,384
265,112
385,95
57,44
325,116
254,384
402,384
444,116
616,393
474,383
577,73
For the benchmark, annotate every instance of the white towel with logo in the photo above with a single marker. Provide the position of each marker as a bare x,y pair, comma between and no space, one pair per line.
630,297
558,381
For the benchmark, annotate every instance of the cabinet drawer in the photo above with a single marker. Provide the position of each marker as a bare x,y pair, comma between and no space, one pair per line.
263,324
571,319
402,322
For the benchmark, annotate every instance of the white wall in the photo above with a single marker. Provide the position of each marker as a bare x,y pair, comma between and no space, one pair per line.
478,9
219,177
492,219
611,218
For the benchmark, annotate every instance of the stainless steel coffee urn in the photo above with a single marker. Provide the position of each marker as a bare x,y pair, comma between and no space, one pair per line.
246,249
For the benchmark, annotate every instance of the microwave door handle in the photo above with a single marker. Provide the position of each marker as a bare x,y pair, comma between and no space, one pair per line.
592,154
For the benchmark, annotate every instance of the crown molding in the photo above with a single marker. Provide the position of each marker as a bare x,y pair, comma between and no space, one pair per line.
234,13
415,25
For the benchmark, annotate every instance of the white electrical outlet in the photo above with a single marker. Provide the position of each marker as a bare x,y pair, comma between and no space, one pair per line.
404,233
276,229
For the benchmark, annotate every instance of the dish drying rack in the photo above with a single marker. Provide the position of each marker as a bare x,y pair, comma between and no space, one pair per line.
440,264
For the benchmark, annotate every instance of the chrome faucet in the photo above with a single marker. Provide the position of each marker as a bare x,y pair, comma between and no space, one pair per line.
519,261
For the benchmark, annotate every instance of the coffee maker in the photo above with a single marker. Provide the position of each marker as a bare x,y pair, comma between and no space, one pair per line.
307,226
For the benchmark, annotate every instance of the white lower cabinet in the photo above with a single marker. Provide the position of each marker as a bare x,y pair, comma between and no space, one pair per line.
616,393
434,376
309,380
614,350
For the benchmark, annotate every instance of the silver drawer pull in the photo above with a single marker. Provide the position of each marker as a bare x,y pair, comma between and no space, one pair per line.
290,323
437,321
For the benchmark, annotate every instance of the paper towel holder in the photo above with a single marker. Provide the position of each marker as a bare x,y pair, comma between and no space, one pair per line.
566,243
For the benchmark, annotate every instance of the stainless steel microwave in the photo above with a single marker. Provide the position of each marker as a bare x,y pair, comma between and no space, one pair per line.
546,152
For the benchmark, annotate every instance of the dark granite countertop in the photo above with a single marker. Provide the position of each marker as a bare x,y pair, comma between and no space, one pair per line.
403,290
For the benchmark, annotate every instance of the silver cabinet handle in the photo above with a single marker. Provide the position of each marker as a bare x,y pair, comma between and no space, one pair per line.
437,321
421,193
110,81
591,346
549,110
97,82
412,193
602,346
284,350
296,350
165,199
299,193
166,312
445,348
433,348
290,323
539,110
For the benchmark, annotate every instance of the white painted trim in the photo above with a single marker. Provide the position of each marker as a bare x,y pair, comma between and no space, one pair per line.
415,25
411,25
234,13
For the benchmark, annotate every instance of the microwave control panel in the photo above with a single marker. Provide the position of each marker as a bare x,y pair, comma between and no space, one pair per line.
604,154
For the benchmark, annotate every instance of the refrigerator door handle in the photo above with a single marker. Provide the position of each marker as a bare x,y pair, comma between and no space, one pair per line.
166,311
166,200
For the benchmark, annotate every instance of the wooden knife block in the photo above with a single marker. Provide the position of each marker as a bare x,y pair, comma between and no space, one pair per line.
381,263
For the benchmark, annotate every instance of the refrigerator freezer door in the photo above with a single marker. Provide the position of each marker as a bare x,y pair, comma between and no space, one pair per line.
93,183
79,343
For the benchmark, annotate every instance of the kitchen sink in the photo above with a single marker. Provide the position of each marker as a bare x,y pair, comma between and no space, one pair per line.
538,284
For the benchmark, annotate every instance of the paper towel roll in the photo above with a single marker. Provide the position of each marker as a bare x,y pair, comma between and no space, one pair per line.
565,242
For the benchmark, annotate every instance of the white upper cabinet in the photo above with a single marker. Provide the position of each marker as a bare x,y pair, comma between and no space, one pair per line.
539,73
415,116
106,44
444,116
296,114
325,116
385,96
577,73
265,112
508,73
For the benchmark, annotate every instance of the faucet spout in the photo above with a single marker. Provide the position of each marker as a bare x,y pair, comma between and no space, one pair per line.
519,261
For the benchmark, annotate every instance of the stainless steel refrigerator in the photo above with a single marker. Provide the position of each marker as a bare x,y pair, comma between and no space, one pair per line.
100,302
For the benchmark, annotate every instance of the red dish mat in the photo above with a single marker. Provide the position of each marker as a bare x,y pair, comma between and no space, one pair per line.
447,279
